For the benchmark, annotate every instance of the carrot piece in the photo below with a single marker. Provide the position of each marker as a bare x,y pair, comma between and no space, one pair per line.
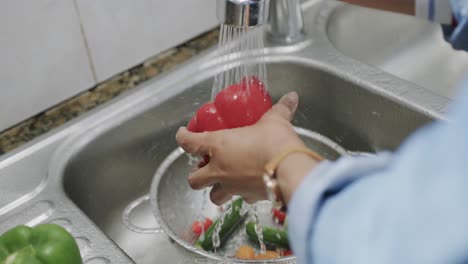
245,252
268,255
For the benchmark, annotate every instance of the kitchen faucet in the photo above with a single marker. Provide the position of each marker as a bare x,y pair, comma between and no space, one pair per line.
284,17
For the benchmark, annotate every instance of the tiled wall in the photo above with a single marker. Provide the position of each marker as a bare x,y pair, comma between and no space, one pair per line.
53,49
123,32
42,57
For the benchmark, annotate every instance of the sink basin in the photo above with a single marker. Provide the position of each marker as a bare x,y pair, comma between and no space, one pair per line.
117,166
85,173
410,48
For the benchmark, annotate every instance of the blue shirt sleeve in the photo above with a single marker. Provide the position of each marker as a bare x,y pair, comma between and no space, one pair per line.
407,207
459,37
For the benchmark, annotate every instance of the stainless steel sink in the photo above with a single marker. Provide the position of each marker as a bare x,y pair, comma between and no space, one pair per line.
85,173
410,48
116,166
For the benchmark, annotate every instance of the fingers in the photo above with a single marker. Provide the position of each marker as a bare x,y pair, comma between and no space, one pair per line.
218,196
286,106
202,178
193,143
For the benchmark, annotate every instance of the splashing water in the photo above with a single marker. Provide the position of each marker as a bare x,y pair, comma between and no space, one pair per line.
258,229
216,239
245,209
233,42
201,217
193,160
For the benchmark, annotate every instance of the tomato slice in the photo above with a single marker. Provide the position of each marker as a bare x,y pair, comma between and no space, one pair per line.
199,227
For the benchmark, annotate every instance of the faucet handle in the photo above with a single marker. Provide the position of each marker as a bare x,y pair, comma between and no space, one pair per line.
286,21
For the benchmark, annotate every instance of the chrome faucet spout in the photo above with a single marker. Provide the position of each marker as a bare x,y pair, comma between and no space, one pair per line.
285,17
242,13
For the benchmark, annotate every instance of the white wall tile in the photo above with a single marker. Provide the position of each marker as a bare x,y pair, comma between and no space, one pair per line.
123,33
43,59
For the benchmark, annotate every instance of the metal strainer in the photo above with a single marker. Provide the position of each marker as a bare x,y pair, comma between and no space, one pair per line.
176,206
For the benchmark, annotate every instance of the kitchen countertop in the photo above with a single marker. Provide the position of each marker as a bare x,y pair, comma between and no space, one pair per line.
103,92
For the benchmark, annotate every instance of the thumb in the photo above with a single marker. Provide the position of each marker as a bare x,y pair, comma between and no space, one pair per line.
193,143
286,106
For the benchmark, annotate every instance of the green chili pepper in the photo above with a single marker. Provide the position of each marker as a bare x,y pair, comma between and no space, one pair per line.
231,222
43,244
271,235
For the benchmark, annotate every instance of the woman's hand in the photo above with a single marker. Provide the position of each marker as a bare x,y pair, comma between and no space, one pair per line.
238,156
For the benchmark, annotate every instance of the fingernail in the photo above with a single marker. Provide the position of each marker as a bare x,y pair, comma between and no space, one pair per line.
293,100
178,132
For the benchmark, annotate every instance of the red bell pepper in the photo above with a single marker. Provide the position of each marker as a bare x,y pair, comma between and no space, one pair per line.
207,118
279,215
199,227
241,104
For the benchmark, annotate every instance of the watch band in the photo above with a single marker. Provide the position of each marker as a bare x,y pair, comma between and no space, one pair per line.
271,184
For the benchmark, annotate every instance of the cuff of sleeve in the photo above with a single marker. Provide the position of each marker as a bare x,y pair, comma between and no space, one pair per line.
434,10
327,177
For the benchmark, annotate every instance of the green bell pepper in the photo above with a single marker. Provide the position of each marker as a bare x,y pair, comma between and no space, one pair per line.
43,244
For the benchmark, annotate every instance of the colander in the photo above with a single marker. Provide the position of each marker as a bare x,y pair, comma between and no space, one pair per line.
176,206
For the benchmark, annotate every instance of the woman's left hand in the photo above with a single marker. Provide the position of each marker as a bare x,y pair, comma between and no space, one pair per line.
238,156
